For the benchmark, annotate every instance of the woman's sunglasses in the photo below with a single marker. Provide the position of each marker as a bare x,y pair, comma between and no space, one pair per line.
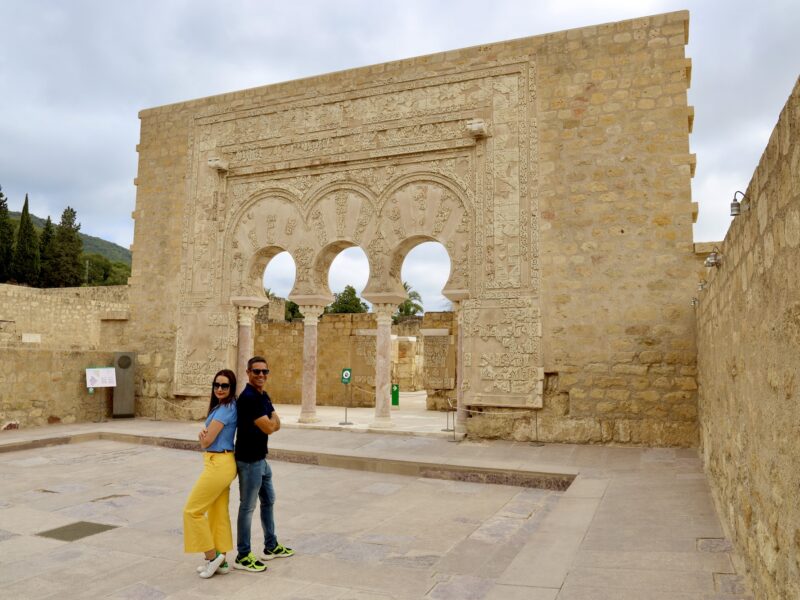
221,386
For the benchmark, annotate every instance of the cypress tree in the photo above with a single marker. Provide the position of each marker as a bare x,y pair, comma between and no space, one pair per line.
68,247
47,255
6,239
25,264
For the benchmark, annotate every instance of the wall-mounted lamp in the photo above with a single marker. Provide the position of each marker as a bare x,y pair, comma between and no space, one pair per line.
701,285
737,207
694,302
714,259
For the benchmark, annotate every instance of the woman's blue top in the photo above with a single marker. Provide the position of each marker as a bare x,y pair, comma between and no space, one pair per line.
225,414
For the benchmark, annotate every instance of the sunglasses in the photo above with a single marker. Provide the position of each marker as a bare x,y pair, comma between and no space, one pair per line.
221,386
259,371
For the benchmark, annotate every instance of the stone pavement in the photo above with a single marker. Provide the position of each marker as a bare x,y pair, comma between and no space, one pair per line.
636,523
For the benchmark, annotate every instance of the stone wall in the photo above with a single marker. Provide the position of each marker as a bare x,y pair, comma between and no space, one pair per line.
40,387
64,318
616,235
749,368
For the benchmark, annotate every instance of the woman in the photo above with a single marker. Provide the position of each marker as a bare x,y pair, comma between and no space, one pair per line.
211,534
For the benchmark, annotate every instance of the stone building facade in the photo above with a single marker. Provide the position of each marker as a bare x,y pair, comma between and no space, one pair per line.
554,169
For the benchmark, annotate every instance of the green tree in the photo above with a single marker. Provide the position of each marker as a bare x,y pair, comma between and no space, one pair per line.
411,305
119,274
96,269
25,264
69,246
291,311
47,255
6,239
347,301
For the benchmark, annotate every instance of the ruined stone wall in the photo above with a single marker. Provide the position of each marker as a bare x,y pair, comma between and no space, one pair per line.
344,340
407,354
554,169
439,338
158,242
616,251
64,318
40,387
749,369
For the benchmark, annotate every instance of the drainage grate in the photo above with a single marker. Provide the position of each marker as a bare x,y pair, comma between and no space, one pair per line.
75,531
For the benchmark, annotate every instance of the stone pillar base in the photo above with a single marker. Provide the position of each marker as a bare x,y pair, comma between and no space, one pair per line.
382,423
308,418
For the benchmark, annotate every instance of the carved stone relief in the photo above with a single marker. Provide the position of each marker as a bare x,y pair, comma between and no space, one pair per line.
439,362
503,341
404,170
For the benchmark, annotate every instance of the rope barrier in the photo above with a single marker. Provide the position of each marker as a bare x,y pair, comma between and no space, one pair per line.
155,408
484,412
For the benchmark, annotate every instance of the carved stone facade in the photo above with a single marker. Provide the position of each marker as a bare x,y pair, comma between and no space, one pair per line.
528,160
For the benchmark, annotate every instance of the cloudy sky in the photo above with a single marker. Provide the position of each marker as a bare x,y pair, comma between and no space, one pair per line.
74,74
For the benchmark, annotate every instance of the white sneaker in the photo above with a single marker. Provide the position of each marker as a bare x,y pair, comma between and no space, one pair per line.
212,566
224,568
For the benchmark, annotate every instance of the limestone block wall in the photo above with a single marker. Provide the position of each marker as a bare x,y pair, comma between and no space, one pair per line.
749,369
40,387
65,318
615,221
274,310
158,240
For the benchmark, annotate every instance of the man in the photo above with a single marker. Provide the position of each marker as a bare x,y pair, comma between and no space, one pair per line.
256,420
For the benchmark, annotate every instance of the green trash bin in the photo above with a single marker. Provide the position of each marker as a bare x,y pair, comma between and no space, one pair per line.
395,394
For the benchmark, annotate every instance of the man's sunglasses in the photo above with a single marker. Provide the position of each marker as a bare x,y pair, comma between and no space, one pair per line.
259,371
221,386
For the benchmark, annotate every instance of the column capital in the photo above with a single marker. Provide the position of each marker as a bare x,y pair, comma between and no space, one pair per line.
311,313
246,315
383,312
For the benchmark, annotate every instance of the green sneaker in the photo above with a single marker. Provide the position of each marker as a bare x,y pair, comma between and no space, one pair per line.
278,551
249,563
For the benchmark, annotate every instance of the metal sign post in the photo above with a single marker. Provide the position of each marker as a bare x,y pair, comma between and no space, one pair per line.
347,374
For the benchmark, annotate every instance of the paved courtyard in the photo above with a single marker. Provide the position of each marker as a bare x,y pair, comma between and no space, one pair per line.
634,524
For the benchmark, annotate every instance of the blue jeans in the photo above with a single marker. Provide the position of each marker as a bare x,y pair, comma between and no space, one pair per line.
255,479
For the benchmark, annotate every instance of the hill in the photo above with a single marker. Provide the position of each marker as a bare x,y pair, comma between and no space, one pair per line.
91,244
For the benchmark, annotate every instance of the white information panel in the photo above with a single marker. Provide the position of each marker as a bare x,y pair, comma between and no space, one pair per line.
97,377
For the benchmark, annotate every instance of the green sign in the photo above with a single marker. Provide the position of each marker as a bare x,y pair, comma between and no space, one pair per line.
346,375
395,394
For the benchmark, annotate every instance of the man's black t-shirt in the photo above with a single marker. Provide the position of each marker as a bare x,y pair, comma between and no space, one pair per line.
251,442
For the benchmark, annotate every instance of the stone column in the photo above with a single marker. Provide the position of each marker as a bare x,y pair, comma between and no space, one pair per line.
383,364
308,412
246,317
246,309
461,409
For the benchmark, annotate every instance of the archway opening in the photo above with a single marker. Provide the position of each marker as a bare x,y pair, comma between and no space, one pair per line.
425,271
350,267
421,363
278,280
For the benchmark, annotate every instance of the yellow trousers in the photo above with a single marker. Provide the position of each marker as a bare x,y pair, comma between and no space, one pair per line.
206,521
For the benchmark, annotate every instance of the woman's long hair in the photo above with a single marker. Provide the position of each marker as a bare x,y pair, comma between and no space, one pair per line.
231,392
